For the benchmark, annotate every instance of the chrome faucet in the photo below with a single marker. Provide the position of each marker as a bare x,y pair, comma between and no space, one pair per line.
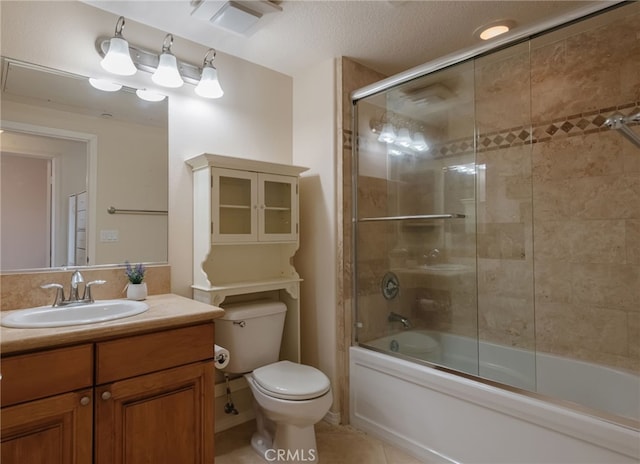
395,317
74,295
76,279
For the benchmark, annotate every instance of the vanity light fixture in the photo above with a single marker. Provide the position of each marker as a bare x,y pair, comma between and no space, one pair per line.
117,59
150,95
166,69
419,143
104,85
387,134
404,138
209,86
385,128
167,74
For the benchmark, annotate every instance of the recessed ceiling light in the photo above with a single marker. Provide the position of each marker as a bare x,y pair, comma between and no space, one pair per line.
494,29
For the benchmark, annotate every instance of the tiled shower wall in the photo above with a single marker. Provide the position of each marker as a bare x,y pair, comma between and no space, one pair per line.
558,209
586,193
565,190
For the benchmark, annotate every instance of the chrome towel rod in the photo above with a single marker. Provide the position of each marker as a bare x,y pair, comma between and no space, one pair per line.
420,216
112,210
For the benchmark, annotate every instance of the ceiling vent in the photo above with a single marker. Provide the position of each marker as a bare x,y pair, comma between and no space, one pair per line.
239,17
429,94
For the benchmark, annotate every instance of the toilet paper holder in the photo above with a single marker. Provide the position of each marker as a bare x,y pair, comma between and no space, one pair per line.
220,357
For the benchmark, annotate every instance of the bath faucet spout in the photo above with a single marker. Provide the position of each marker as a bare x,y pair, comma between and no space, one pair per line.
76,279
395,317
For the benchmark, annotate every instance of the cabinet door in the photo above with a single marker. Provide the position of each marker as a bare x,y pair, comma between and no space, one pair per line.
54,430
163,418
233,206
277,210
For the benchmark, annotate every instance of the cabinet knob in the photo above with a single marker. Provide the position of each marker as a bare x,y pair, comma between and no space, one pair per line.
85,400
106,395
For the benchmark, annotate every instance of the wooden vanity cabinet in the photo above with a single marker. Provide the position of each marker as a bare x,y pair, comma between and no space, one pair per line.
54,430
152,401
47,407
147,410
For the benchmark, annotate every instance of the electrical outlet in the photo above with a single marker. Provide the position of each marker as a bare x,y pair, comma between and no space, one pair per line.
109,236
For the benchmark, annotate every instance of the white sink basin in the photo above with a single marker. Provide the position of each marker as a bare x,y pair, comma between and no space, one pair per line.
47,316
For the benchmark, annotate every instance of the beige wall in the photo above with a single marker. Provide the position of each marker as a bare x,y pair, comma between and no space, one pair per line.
24,203
314,146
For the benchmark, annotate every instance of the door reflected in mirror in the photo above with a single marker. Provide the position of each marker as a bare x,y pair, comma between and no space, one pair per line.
68,154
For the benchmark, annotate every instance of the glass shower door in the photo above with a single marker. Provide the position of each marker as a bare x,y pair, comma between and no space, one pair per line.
415,232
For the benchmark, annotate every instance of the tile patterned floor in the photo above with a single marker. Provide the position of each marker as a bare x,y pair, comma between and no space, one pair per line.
336,445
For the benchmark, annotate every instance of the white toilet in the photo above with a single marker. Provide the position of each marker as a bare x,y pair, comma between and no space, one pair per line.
289,398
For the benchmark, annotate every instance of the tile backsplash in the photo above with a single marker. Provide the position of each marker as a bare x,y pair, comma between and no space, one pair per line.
22,290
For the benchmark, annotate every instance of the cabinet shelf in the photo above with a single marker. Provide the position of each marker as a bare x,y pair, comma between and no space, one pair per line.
251,286
235,206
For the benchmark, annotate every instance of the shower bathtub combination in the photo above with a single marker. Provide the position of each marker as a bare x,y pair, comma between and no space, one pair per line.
496,249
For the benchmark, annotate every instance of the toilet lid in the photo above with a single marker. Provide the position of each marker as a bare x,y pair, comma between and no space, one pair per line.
291,381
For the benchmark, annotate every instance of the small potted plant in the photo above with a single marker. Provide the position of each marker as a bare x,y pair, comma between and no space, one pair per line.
136,288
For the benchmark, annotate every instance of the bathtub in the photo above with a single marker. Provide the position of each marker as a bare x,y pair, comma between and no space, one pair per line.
592,385
443,417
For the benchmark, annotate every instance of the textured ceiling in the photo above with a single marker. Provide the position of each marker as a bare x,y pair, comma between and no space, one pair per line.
388,36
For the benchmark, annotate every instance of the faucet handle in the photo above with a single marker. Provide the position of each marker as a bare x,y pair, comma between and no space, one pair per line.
87,289
59,293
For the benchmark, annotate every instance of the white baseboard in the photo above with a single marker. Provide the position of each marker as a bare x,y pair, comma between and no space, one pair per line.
229,421
332,418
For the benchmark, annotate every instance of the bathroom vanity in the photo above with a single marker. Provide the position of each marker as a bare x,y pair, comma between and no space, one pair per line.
138,389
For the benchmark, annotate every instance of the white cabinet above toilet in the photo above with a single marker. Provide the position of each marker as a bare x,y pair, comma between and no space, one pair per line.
245,234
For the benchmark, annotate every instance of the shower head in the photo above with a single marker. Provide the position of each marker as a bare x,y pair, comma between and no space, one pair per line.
619,122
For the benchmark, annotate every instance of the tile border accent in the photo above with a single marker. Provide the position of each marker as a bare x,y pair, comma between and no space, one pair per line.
577,124
568,126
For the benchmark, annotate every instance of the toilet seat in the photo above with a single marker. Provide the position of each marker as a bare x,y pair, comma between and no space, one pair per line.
291,381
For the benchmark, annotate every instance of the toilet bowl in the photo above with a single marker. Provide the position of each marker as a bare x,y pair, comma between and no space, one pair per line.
289,398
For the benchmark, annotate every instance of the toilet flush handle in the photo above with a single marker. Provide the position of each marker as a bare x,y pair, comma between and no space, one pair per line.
240,323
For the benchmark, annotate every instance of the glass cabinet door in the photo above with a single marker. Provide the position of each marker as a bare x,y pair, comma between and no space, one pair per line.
277,212
233,205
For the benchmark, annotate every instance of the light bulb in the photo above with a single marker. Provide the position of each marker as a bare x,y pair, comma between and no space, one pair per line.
167,74
104,85
404,138
419,143
150,95
387,134
209,86
118,60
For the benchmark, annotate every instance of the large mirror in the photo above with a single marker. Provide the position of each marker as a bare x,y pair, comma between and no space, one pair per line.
84,173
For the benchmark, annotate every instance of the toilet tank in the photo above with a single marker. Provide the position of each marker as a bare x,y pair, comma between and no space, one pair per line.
252,332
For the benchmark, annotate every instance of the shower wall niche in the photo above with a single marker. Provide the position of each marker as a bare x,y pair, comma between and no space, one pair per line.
534,239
